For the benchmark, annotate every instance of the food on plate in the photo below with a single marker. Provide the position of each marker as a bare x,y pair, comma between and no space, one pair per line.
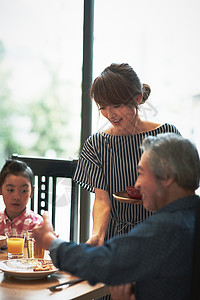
43,268
43,265
133,192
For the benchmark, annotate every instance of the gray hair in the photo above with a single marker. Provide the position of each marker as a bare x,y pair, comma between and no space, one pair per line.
170,155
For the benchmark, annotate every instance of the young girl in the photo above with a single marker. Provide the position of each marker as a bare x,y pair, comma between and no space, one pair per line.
16,187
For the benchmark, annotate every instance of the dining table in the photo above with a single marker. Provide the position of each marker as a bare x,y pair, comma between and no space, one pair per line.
13,288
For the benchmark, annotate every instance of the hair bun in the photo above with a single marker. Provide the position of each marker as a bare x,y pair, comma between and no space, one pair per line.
146,90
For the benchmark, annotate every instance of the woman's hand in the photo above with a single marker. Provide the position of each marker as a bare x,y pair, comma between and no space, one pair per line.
124,291
95,241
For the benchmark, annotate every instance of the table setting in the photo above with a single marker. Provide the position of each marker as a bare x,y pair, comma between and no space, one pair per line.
26,277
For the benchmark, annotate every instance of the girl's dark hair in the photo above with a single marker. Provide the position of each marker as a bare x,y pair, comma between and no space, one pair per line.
118,84
16,167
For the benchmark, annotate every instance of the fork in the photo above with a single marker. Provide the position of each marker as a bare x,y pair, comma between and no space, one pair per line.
69,283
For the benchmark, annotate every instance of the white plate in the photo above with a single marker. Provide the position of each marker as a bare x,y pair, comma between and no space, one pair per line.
23,268
124,197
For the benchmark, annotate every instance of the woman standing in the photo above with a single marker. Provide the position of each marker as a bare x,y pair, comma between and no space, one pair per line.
108,161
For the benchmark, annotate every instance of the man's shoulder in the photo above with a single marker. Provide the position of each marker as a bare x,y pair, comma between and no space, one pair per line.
183,203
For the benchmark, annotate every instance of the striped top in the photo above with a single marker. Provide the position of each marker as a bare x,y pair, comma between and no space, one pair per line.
109,162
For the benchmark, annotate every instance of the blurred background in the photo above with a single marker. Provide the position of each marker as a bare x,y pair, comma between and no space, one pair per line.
41,67
41,57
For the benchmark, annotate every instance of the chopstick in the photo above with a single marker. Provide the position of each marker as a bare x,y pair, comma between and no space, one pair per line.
69,283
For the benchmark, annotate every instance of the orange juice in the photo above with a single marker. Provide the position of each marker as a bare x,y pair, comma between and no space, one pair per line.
15,246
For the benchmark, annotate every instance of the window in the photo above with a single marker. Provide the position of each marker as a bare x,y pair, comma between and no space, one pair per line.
41,70
40,82
160,40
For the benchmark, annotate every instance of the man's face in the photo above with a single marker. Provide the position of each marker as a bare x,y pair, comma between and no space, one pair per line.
152,189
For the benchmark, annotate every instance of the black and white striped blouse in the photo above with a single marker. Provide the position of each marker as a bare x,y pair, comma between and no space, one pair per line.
109,162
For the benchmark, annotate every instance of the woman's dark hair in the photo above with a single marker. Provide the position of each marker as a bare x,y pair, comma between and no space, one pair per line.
17,168
118,84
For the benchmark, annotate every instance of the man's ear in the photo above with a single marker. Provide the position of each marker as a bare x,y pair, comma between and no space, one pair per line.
167,182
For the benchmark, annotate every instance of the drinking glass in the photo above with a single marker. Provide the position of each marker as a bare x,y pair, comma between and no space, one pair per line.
15,244
34,250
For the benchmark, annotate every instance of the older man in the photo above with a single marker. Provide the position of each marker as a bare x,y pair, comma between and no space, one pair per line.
157,254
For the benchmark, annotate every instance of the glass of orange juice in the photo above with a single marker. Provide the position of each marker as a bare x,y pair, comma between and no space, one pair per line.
15,244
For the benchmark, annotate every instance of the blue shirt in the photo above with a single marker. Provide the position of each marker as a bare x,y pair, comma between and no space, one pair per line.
156,255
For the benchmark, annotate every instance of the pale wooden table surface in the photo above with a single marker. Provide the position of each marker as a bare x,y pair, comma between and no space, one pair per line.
18,289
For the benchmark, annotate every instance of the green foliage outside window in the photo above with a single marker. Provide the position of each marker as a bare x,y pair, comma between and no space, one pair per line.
38,125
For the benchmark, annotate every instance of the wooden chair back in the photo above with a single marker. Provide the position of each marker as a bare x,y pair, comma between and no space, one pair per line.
47,173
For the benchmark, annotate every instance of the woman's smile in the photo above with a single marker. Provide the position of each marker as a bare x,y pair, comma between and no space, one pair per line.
121,116
116,122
